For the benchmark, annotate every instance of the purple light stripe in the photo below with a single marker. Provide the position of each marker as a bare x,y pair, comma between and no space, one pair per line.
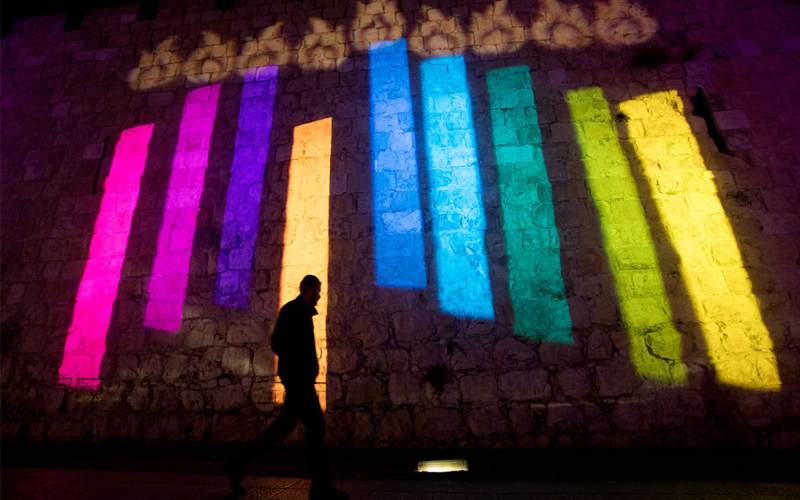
237,249
86,338
170,275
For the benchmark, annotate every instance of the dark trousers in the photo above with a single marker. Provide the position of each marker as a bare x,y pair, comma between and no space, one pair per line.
302,404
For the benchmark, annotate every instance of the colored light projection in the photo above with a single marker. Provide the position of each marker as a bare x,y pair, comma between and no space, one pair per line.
399,254
305,237
687,202
462,269
528,221
97,292
655,343
170,274
237,248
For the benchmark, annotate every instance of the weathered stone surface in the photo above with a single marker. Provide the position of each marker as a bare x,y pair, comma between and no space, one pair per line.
264,363
151,368
439,424
343,359
412,326
575,382
510,353
362,427
169,428
564,416
232,429
53,399
600,346
110,397
397,360
62,428
230,397
176,367
524,386
236,361
396,426
479,388
615,380
247,332
554,353
372,330
201,333
139,398
485,421
468,355
364,390
125,428
634,414
80,401
403,388
522,421
192,400
127,367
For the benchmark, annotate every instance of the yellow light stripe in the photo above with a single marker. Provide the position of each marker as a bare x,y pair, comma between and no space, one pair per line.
305,238
711,266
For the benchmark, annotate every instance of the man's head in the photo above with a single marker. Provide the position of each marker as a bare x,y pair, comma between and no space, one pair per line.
309,289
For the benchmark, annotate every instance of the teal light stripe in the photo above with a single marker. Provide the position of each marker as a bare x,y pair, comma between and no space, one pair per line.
528,220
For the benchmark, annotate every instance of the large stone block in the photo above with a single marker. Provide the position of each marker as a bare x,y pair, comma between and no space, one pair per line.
403,388
524,386
343,359
373,330
616,380
564,416
236,361
511,353
575,382
201,333
439,424
229,398
247,332
169,428
364,390
396,426
479,388
486,421
264,363
412,326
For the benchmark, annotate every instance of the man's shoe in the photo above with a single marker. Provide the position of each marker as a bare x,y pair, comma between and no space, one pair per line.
235,473
327,492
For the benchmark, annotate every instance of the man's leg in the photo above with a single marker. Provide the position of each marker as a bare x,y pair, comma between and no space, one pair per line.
275,433
312,417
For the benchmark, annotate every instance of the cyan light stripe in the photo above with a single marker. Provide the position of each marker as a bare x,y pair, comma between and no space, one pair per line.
459,223
399,254
237,248
526,197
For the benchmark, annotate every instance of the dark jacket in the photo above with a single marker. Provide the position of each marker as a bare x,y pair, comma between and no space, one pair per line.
293,342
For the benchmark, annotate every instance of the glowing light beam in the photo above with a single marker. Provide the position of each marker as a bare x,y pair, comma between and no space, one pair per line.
237,248
686,198
655,343
526,197
399,254
170,274
97,292
459,223
306,237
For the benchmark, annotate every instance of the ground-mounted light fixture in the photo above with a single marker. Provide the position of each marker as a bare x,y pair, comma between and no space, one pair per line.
454,465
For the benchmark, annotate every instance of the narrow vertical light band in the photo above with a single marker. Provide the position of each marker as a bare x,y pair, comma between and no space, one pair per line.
170,275
526,197
237,248
628,243
686,198
399,254
97,292
459,222
305,238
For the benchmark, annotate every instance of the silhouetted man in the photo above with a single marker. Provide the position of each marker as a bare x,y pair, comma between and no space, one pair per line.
293,342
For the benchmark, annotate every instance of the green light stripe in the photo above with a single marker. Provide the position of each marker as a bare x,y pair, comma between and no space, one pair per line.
529,228
655,343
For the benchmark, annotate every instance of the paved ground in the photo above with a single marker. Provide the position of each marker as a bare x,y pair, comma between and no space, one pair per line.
60,484
48,472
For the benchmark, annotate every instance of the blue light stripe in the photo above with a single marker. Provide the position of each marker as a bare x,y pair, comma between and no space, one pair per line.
399,253
459,223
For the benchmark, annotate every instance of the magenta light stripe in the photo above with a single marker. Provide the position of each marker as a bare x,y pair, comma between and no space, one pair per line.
86,337
170,275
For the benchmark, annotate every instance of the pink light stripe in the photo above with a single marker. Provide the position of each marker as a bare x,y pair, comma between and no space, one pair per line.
86,337
170,275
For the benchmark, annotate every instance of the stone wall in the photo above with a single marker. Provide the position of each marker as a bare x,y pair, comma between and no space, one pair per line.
636,173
